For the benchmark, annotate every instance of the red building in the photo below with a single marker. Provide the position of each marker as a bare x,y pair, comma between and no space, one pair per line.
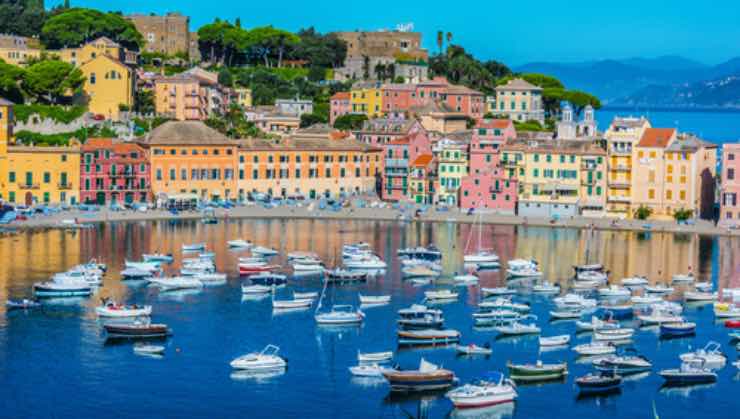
113,171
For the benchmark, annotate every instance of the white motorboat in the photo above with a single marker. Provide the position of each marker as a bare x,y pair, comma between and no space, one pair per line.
596,324
711,356
574,301
497,291
367,262
595,348
148,349
554,340
135,273
211,278
419,271
340,314
501,303
302,255
683,278
253,259
703,286
499,315
374,299
481,256
522,268
726,310
369,370
568,313
239,244
294,303
698,296
193,247
263,251
89,278
614,291
472,349
312,295
158,257
144,266
420,317
465,279
493,389
441,294
256,289
592,276
657,317
517,328
546,288
374,356
177,282
62,287
658,289
615,334
635,281
645,299
267,359
408,263
585,285
111,309
307,266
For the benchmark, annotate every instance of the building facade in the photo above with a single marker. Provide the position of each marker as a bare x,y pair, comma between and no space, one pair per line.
6,135
380,131
180,97
295,106
18,50
729,214
43,175
621,137
109,86
423,179
339,105
113,172
520,101
452,168
167,34
367,98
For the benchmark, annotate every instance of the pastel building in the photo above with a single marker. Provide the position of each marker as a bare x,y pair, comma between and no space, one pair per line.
366,98
295,106
729,205
487,186
18,50
113,171
380,131
422,179
43,175
621,137
180,97
339,105
452,157
109,85
520,101
398,156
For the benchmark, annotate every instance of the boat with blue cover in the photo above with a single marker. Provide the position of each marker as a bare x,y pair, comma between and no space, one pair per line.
677,329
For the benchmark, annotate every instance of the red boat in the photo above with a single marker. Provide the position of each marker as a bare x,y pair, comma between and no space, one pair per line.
248,269
732,324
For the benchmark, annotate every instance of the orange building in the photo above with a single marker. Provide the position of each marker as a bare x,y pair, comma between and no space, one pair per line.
180,97
191,161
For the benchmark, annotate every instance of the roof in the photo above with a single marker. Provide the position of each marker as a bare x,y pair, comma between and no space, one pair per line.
518,84
423,160
108,42
689,143
305,143
340,96
628,122
42,149
185,132
366,85
656,137
580,147
458,89
387,126
399,141
494,123
5,102
399,86
435,107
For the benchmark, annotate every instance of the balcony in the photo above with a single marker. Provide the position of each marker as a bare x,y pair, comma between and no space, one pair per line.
588,166
619,184
396,162
64,186
620,152
621,168
619,199
509,163
28,186
587,182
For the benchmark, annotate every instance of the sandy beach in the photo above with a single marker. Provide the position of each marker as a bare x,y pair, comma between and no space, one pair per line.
61,220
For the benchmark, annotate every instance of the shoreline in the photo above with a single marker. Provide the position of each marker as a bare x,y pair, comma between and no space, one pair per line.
55,221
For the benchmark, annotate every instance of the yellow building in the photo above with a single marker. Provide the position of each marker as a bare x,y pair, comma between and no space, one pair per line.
557,178
310,163
243,97
671,172
452,167
47,175
366,97
93,49
621,137
6,134
109,84
19,56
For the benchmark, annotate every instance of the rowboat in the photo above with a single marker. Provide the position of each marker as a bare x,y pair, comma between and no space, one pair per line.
537,371
598,383
517,328
267,359
256,289
146,349
613,334
427,377
472,349
427,337
492,389
294,303
595,348
374,356
677,329
374,299
141,328
554,340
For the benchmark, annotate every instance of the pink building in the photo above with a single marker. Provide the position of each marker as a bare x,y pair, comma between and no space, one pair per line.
398,98
380,131
729,206
397,155
113,172
487,186
339,105
466,100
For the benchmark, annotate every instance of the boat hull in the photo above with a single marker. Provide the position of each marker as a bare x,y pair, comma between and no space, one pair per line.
417,381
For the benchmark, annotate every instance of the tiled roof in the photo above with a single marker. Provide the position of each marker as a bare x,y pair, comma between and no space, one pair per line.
656,137
305,144
518,84
494,123
555,146
457,89
340,96
185,133
423,160
399,86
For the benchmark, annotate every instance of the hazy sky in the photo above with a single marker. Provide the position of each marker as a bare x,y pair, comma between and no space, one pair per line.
514,32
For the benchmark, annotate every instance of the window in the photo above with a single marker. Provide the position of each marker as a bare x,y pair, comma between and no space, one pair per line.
92,78
183,174
328,172
255,174
536,173
159,174
669,194
682,195
173,176
730,174
651,193
549,158
47,177
11,177
562,158
536,158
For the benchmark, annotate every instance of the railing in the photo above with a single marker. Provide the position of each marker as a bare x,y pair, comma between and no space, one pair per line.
396,162
64,186
28,186
620,168
618,199
619,184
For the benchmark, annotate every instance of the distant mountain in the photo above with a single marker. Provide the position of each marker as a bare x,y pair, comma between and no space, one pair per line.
644,80
723,92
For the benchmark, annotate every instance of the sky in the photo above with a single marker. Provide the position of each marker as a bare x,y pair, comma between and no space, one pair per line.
514,32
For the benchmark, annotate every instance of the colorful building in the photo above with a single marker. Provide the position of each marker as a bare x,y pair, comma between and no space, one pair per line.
380,131
93,49
422,179
398,155
440,117
520,101
621,137
729,214
6,136
191,161
398,98
487,186
243,97
109,85
47,175
310,163
18,50
673,172
339,105
367,98
180,97
113,171
452,168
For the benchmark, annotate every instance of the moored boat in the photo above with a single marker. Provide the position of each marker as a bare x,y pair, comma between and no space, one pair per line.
369,370
538,371
491,389
294,303
374,299
141,328
158,257
598,383
427,377
554,340
441,294
374,356
688,373
473,349
265,360
623,364
147,349
239,244
340,315
110,308
522,268
193,247
21,304
428,337
268,279
677,329
595,348
420,317
710,356
345,275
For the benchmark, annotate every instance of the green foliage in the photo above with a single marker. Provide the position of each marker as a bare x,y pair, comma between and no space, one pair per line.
316,73
528,126
224,43
61,114
75,26
144,101
234,125
22,17
325,51
48,81
350,122
643,212
308,119
82,134
541,80
146,125
460,67
580,100
225,78
399,79
10,77
682,214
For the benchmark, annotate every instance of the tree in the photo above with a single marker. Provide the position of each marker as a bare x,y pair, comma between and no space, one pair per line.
225,78
75,26
238,23
643,212
580,100
440,40
10,77
379,71
50,80
326,51
22,17
449,38
316,73
144,101
682,214
399,79
365,67
308,119
350,122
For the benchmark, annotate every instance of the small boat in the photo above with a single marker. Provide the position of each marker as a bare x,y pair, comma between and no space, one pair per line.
430,252
698,296
711,356
345,275
554,340
574,301
726,310
635,281
111,309
374,356
596,324
645,299
497,291
677,329
369,370
658,289
428,377
420,317
256,267
256,289
623,364
688,373
239,244
367,262
158,257
441,294
481,256
301,255
492,389
598,383
294,303
595,348
504,304
62,287
613,291
522,268
473,349
22,304
140,328
732,324
617,334
211,278
495,316
300,267
339,315
144,266
465,279
537,371
304,295
594,267
252,259
572,313
177,283
263,251
268,279
146,349
546,288
703,286
585,285
267,359
427,337
659,316
135,273
193,247
683,278
419,271
516,329
374,299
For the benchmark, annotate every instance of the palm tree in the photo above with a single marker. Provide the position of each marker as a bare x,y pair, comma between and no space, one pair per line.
440,40
449,38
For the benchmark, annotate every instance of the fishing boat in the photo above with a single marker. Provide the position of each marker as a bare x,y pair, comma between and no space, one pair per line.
492,389
677,329
345,275
698,296
290,304
21,304
598,383
635,281
537,371
473,349
374,356
135,273
428,377
239,244
688,373
340,315
627,363
658,289
158,257
267,359
255,289
516,329
522,268
595,348
374,299
193,247
441,294
683,278
419,271
487,292
614,291
420,317
430,252
428,337
369,370
147,349
559,340
110,308
177,282
140,328
263,251
144,266
546,288
711,355
268,279
62,287
726,310
616,334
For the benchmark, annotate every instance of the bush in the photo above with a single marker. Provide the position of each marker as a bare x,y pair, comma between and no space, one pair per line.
61,114
643,212
350,122
682,214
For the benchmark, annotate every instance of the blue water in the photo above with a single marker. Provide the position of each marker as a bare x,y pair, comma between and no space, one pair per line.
714,126
54,362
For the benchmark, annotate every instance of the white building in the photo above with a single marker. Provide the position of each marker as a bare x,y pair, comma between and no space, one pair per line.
520,101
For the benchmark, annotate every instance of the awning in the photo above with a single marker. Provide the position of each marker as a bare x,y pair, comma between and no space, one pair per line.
183,197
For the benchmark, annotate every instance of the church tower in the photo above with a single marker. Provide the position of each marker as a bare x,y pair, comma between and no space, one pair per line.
566,126
587,127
